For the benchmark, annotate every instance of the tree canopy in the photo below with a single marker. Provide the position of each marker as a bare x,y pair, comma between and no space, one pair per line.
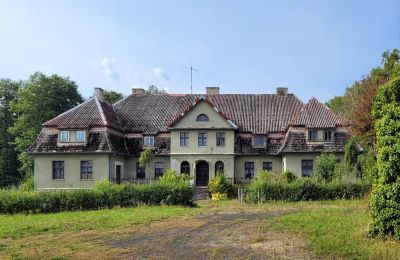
112,97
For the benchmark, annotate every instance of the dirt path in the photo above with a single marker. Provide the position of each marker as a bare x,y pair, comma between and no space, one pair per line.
218,235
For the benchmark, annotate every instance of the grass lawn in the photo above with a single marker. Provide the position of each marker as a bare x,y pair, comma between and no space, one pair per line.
336,229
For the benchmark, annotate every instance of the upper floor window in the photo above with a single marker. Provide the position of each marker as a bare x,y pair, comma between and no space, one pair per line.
202,139
80,136
307,168
86,170
202,118
259,140
328,135
313,135
267,166
58,170
64,136
149,141
184,139
220,138
248,170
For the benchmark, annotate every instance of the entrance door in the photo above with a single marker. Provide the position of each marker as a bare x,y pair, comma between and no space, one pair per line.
118,174
202,173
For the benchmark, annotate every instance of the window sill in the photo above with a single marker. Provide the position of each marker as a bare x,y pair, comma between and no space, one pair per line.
58,179
86,179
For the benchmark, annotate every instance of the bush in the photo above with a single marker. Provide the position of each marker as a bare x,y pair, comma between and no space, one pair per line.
289,177
103,195
171,178
28,184
366,166
220,184
324,167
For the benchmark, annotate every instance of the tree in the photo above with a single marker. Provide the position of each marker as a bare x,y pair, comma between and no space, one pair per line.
385,199
325,167
336,104
350,153
154,90
112,96
39,99
8,157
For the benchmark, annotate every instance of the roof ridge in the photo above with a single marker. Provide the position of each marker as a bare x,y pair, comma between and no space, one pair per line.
99,106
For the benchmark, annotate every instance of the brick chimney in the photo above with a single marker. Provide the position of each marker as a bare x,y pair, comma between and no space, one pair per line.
138,91
281,91
99,93
212,90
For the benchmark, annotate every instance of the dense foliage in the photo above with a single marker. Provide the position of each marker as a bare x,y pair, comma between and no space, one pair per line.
171,178
351,153
103,195
325,167
112,96
220,185
385,201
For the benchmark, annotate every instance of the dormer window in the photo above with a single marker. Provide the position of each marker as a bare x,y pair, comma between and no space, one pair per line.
149,141
64,136
80,136
202,118
313,135
328,135
259,140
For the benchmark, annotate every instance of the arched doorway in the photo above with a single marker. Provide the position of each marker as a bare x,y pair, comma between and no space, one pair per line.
202,173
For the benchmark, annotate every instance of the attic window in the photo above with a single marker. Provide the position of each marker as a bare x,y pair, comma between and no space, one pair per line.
202,118
149,141
64,136
80,136
259,140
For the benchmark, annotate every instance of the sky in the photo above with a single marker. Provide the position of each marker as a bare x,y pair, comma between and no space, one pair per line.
314,48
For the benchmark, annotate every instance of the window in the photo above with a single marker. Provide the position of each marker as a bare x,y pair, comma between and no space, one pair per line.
149,141
338,161
158,169
313,135
259,140
202,118
58,170
140,172
202,139
219,167
220,138
86,170
267,166
327,135
80,136
248,170
184,139
307,167
64,136
185,167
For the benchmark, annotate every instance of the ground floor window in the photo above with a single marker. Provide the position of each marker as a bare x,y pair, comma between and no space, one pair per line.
267,166
185,167
58,170
158,169
219,167
248,170
307,167
86,170
140,172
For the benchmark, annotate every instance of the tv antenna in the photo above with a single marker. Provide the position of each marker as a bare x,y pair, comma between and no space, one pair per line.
191,76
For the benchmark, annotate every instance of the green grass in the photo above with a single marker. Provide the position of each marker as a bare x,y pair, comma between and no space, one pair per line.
337,229
21,225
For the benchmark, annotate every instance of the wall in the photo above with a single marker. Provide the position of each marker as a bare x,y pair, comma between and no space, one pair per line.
292,161
43,170
258,164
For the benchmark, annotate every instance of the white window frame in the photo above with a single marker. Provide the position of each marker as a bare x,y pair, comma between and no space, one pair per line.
260,145
84,136
150,142
62,139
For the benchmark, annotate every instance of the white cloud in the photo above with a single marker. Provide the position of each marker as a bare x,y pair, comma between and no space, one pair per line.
108,67
160,73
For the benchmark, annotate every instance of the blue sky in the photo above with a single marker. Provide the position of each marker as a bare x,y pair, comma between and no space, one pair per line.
315,48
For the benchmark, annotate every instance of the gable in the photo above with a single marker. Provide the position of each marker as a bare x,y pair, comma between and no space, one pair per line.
216,119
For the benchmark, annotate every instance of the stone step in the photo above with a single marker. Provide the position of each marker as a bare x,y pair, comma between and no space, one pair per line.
200,193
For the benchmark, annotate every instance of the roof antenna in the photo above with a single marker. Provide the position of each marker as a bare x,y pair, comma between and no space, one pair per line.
191,76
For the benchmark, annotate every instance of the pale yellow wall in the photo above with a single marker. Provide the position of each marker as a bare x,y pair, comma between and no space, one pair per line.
43,170
211,148
258,164
215,119
292,161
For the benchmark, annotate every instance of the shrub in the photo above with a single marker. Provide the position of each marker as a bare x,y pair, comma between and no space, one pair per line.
219,196
171,178
350,153
289,177
28,184
221,184
324,167
366,166
341,171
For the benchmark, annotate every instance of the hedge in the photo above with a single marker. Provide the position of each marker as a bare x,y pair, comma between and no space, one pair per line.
306,190
103,196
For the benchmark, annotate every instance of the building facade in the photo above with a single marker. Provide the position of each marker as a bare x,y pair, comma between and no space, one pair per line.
200,135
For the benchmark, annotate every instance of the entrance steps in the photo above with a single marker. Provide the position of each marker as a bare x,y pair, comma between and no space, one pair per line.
200,193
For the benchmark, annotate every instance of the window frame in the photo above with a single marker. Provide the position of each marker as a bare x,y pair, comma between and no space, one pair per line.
248,171
307,172
202,139
328,135
202,118
259,145
140,172
88,175
61,139
186,166
220,139
149,137
58,174
219,167
184,136
158,172
268,168
313,135
76,136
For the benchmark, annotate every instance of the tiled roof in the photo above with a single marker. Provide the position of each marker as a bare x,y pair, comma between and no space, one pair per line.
244,145
316,115
258,114
93,112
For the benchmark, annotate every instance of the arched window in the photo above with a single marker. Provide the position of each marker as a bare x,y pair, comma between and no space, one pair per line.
202,118
185,167
219,167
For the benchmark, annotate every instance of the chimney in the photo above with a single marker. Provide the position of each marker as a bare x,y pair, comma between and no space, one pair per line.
138,91
212,90
99,93
281,91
